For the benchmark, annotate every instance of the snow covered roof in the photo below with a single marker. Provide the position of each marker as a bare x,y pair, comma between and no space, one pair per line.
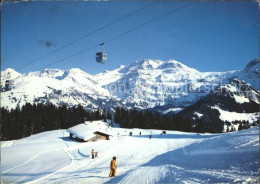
86,130
81,131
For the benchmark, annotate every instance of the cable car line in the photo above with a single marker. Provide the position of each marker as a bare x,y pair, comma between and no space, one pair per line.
67,57
149,22
101,56
87,35
118,36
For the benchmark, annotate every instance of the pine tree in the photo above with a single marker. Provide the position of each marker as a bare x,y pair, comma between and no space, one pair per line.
117,115
227,130
104,115
109,116
112,122
167,123
157,120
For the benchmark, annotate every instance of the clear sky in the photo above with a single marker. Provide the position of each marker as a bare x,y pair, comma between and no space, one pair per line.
207,36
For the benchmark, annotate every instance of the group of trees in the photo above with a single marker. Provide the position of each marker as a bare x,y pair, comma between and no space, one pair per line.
153,120
30,119
241,125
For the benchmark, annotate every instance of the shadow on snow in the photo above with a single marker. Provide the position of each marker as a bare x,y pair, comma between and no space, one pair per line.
200,162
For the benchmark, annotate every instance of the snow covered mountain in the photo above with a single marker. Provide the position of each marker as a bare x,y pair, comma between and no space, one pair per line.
250,74
165,85
151,83
70,87
170,84
231,104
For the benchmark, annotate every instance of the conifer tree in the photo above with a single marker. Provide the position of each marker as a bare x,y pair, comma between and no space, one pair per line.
109,116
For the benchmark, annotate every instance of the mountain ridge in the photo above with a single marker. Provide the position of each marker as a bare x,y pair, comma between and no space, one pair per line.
230,104
143,84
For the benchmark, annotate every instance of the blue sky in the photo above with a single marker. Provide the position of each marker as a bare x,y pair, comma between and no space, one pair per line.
207,36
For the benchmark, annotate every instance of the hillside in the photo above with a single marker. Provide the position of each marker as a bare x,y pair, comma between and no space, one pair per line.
232,105
176,157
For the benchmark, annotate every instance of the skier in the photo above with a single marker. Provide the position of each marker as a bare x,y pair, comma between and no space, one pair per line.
113,167
93,153
150,136
96,154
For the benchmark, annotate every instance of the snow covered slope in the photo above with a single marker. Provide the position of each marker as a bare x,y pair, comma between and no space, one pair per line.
70,87
8,74
231,103
176,157
143,84
249,74
151,83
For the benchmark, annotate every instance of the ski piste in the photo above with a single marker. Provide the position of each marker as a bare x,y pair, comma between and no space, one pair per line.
174,157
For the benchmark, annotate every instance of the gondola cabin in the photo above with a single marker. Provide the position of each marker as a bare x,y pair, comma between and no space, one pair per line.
101,57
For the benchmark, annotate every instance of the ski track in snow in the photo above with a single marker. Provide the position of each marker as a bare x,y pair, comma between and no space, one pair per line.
79,162
172,158
74,154
7,144
34,157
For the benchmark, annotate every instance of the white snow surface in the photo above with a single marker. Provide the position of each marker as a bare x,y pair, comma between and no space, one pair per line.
175,110
241,99
55,86
9,73
235,116
176,157
199,115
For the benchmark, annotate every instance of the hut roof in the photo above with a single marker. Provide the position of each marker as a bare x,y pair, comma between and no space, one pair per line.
81,131
85,131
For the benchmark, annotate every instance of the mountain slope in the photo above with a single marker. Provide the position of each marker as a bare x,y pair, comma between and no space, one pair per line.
70,87
231,103
157,84
250,74
151,83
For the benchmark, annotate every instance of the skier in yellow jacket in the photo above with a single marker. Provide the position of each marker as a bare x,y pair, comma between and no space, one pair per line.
113,167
